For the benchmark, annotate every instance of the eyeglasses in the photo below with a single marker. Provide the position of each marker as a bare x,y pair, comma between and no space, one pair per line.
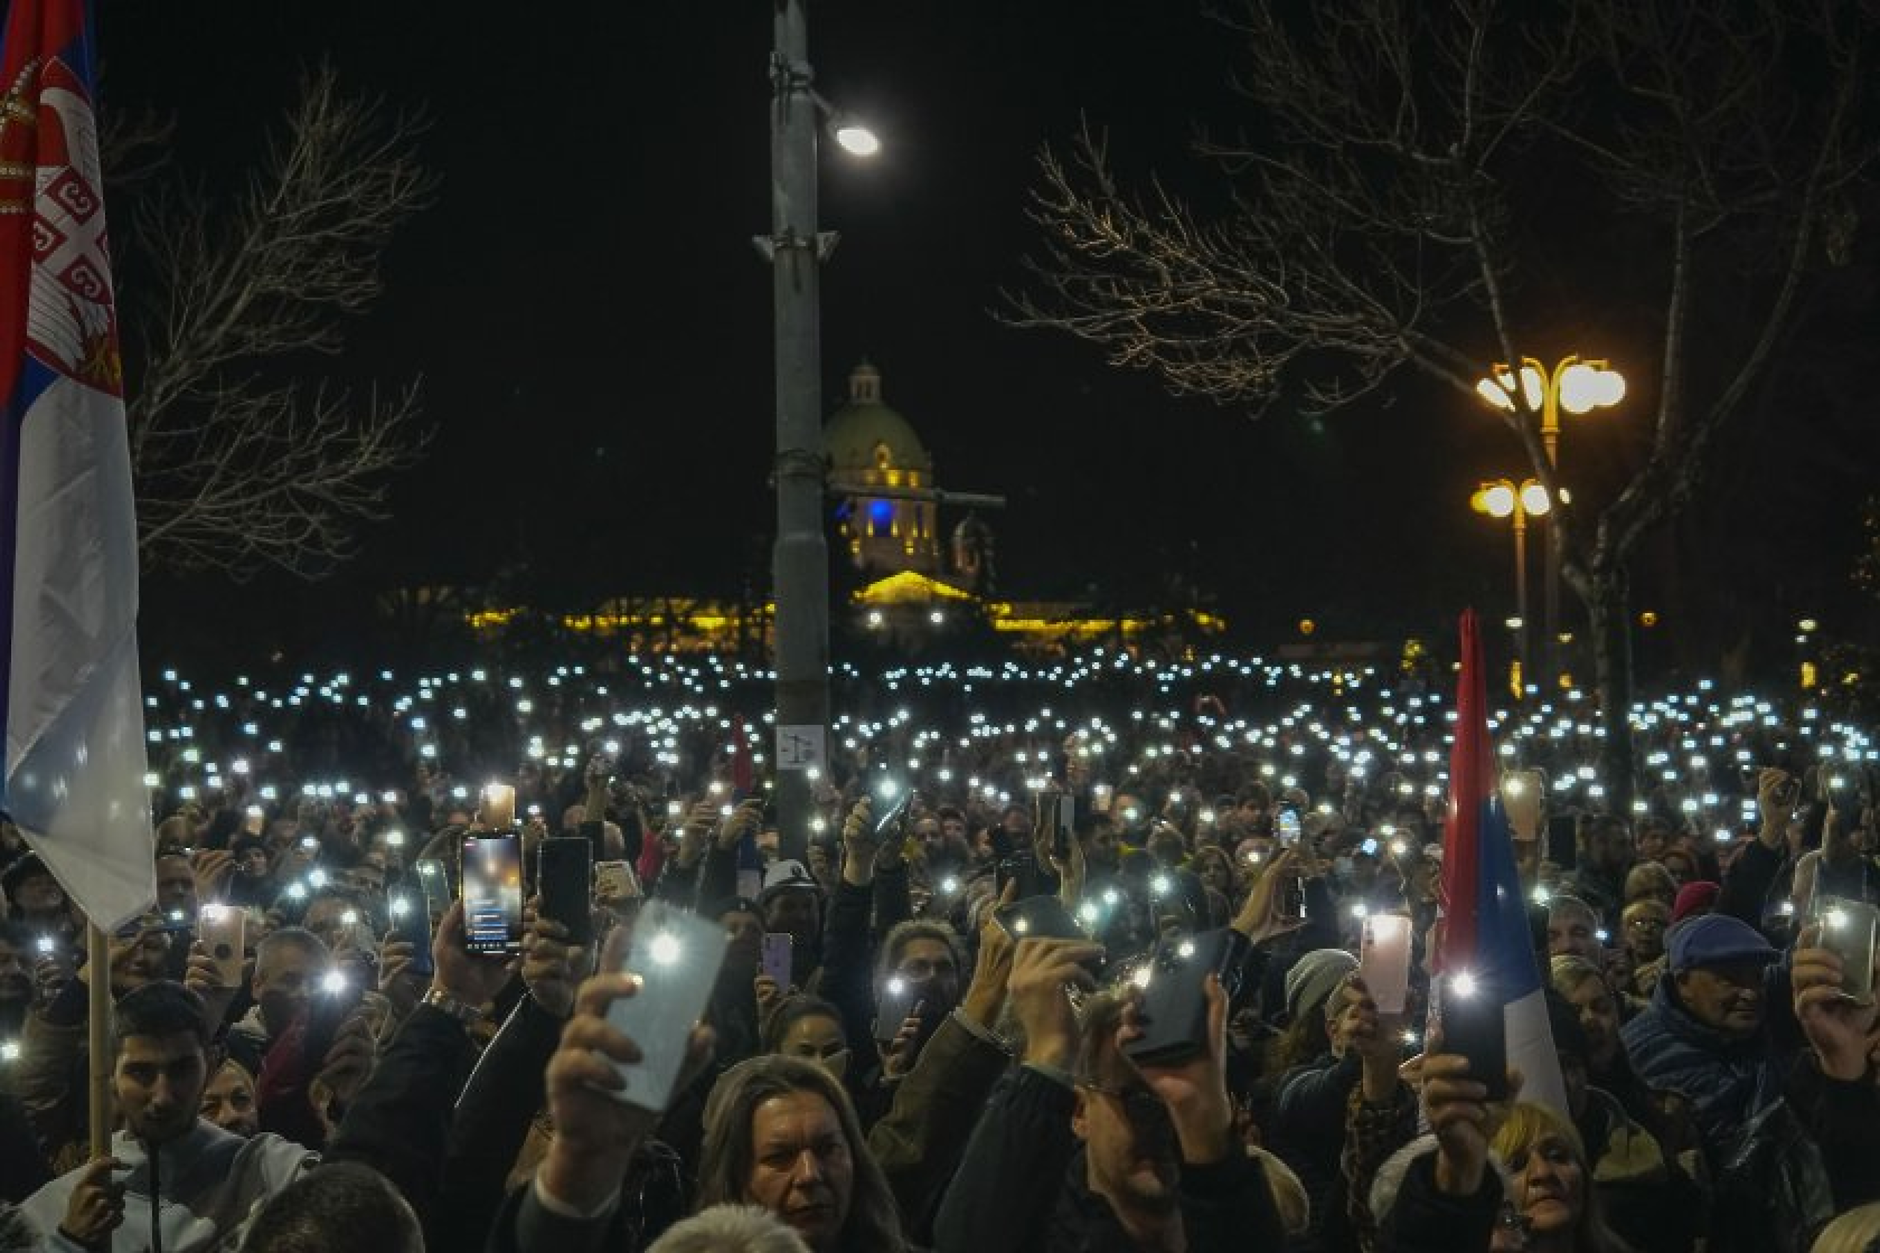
1139,1104
920,969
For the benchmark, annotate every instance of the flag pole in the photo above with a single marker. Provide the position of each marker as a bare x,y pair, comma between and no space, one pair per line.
98,948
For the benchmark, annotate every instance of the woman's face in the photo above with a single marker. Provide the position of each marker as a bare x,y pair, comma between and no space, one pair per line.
1214,874
1550,1184
817,1038
1599,1017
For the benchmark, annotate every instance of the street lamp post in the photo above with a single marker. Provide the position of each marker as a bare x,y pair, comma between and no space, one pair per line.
1502,499
1578,387
796,250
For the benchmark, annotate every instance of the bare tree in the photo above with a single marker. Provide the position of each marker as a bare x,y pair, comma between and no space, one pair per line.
241,463
1414,173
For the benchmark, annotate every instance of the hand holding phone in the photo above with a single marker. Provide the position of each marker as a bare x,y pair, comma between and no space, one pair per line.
492,894
1850,929
676,954
564,874
1173,1014
778,957
223,931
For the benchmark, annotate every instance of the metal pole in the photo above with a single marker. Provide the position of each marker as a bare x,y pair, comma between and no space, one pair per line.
1550,438
98,1041
1520,587
799,560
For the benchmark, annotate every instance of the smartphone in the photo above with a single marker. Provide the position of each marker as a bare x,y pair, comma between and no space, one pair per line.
1850,929
1039,918
564,872
1286,828
1049,821
412,924
893,823
1101,794
615,881
677,955
1474,1027
1384,961
1563,841
336,997
434,883
223,932
1022,867
898,1002
492,894
778,955
1174,1011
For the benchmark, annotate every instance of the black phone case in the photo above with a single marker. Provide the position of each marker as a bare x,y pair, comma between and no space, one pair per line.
1039,918
1174,1011
414,928
1563,847
1473,1027
566,874
892,1010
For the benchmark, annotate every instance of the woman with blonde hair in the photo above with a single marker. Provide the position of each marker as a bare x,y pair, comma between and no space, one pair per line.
1552,1194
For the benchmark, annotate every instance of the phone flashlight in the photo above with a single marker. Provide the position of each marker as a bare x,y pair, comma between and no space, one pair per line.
395,839
664,949
309,842
400,907
9,1050
46,944
674,809
333,983
255,811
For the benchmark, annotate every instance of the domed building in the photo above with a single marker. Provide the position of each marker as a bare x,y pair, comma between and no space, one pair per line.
868,444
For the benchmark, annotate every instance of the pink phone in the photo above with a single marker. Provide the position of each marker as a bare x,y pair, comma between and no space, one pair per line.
1384,962
223,930
779,950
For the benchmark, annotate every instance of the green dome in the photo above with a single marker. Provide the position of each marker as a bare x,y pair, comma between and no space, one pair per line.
856,429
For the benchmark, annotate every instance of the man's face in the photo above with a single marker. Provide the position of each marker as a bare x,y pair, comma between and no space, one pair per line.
1645,923
326,918
147,961
953,829
1129,1141
16,981
1570,931
159,1082
1609,849
254,862
285,979
802,1169
1728,999
229,1101
1100,847
176,887
367,878
793,911
928,964
39,894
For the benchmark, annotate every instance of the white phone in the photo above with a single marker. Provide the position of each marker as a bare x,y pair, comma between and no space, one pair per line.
676,954
223,930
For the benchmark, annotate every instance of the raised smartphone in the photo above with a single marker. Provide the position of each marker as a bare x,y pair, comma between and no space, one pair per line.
1174,1011
434,883
223,930
564,873
898,1002
1850,929
412,924
778,955
1039,918
1384,961
676,954
492,894
1474,1027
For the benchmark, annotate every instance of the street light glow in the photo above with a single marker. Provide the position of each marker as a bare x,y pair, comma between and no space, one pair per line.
856,139
1534,499
1585,386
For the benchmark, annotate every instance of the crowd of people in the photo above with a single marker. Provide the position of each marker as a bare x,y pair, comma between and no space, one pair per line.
934,1022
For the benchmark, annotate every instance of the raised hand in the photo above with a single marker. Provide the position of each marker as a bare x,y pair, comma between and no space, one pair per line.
1041,970
1839,1028
1195,1090
1262,917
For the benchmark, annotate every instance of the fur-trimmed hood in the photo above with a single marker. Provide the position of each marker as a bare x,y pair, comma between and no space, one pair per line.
1389,1178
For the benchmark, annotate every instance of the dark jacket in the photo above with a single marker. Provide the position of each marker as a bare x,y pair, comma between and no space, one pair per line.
1021,1187
1727,1081
1747,882
921,1140
1308,1134
1422,1220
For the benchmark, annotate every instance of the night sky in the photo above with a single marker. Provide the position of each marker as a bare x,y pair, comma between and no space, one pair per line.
593,324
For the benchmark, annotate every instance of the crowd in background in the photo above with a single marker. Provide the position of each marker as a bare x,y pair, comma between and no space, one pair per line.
918,1073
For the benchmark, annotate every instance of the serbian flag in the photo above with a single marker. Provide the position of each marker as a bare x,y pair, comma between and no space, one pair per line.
69,694
1485,933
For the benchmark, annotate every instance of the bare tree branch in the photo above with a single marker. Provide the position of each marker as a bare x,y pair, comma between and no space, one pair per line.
240,464
1387,208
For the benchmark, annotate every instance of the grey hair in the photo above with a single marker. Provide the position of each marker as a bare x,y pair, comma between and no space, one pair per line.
729,1229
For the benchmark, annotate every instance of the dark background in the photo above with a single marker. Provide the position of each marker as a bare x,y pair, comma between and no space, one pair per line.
593,328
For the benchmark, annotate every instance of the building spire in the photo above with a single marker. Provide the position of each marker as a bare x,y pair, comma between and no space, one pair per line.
865,384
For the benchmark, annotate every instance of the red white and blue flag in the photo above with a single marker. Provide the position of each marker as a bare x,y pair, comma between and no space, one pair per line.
1485,934
70,698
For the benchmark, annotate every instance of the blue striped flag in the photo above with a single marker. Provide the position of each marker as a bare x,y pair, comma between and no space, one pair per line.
70,699
1485,932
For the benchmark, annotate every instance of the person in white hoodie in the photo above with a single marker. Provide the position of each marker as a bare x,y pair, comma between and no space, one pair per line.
174,1181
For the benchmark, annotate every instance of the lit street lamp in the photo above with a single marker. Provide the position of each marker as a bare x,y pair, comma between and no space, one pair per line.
796,250
1578,387
1502,499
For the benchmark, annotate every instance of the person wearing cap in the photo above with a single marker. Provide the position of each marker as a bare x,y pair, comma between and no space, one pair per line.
1308,1124
1705,1033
